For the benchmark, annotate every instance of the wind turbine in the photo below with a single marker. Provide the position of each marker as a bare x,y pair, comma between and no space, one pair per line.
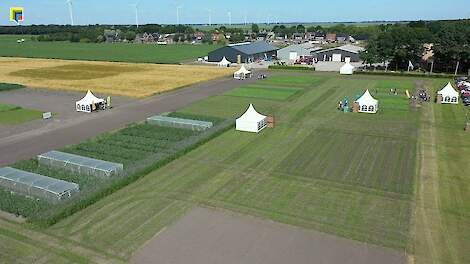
136,8
229,18
210,16
70,4
178,14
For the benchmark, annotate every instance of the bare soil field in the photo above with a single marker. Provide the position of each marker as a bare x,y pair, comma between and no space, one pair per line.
208,236
126,79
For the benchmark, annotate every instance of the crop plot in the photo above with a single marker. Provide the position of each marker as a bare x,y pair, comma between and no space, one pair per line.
385,163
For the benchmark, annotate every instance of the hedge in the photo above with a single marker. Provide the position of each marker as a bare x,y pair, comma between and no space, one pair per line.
292,68
406,74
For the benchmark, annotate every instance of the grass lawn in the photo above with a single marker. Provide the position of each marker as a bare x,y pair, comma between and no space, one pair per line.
169,54
319,169
358,176
13,115
264,92
9,86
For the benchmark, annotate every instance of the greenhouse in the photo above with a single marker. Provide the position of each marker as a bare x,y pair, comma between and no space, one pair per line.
35,185
195,125
80,165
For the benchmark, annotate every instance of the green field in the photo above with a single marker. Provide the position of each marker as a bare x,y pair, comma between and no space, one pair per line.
122,52
13,115
392,179
264,92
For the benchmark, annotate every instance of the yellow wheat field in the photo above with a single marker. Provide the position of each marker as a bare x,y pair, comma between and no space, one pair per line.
126,79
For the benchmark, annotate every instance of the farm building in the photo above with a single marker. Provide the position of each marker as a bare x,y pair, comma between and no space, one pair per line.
244,52
448,95
37,186
339,54
367,104
80,165
166,121
251,121
294,52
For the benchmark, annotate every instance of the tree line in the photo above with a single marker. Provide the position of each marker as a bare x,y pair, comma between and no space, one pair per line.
400,44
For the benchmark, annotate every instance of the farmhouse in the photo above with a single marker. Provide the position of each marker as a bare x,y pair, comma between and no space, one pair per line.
339,54
367,104
448,95
294,52
251,121
246,52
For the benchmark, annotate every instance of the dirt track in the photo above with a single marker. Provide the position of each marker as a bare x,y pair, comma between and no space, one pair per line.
27,145
206,236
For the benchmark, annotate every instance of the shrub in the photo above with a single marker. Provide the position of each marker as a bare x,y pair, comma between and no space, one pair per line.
293,68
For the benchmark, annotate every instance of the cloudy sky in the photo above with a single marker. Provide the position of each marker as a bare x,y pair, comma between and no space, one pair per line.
260,11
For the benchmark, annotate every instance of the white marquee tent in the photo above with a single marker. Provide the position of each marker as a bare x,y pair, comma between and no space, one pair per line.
367,103
89,103
224,63
251,121
347,69
242,74
449,95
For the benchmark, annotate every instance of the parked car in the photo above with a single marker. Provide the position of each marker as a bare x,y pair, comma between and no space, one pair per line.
466,101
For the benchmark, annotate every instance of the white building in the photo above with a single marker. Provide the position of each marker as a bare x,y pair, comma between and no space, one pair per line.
251,121
367,103
89,103
448,95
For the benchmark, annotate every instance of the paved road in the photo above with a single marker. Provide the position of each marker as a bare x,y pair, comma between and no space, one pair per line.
32,143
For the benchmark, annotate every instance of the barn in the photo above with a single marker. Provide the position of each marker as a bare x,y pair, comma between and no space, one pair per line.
293,52
246,52
339,54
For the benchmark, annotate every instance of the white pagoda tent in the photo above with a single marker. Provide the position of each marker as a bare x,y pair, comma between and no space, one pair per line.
224,63
89,103
347,69
367,103
449,95
251,121
242,74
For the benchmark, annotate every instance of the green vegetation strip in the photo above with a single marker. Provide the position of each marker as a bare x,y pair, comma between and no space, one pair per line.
9,86
263,92
13,115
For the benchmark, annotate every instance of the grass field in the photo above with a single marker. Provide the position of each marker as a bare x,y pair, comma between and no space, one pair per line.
133,80
119,52
264,92
13,115
358,176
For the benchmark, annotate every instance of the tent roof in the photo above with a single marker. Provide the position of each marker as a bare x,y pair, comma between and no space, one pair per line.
366,99
224,61
448,90
243,70
347,66
89,99
251,115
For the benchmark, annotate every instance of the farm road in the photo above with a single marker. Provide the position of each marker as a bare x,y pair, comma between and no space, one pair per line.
27,145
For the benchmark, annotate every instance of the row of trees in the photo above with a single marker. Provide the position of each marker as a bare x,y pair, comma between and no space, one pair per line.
399,44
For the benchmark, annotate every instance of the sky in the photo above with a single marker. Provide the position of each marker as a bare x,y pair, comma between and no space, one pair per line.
257,11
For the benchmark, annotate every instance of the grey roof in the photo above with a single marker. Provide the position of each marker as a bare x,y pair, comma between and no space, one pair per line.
181,121
48,184
251,48
81,161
